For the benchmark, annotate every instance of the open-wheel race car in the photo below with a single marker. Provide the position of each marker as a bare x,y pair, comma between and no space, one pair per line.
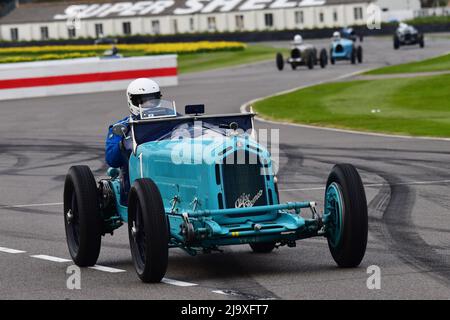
199,182
407,35
350,34
345,49
302,55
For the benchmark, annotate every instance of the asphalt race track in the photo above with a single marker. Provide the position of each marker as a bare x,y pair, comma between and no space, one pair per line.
407,184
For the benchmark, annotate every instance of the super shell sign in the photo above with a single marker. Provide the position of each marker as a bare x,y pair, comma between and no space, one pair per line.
160,7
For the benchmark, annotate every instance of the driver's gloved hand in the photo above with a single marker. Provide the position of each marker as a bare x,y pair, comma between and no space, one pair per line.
122,146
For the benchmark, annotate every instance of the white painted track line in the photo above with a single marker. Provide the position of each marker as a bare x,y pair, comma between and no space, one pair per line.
8,250
220,292
177,283
106,269
50,258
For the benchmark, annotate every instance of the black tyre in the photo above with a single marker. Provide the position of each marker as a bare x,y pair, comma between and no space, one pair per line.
323,58
345,216
353,56
82,217
293,66
396,43
359,54
148,231
422,41
332,60
311,60
279,61
262,247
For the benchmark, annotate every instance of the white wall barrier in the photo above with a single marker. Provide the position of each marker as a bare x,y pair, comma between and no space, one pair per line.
62,77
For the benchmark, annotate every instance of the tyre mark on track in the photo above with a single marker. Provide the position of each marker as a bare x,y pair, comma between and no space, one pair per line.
29,210
392,207
231,273
240,295
396,226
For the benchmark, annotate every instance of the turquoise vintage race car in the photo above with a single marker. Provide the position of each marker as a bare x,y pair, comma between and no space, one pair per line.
345,49
199,182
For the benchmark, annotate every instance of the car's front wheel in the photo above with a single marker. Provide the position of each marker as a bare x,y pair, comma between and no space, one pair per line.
323,58
422,41
82,217
279,60
147,231
396,43
345,216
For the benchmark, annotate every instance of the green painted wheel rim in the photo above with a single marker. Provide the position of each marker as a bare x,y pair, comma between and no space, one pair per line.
333,217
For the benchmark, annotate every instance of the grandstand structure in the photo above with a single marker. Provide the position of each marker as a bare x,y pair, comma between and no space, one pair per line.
44,20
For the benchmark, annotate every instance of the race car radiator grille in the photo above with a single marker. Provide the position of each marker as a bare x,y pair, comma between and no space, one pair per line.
243,183
295,54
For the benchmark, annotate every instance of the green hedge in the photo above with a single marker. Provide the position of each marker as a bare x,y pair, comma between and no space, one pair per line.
429,20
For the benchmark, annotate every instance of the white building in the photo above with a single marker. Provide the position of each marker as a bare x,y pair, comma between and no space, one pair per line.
398,9
65,20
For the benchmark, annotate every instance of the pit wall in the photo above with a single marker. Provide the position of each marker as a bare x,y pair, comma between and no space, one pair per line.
73,76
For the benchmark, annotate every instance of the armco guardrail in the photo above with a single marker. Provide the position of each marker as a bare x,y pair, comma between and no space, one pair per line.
61,77
244,36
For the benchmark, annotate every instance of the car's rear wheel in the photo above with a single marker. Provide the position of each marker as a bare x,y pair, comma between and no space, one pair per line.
359,54
262,247
148,231
82,217
345,216
332,60
323,58
279,61
310,63
353,56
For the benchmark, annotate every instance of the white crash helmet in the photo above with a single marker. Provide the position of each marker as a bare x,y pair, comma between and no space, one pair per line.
336,36
298,39
140,91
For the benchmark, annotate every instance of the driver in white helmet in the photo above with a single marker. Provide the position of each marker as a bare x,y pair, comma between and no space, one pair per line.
140,92
336,36
298,40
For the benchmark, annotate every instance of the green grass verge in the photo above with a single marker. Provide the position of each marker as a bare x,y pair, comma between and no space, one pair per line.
213,60
429,20
190,62
412,106
441,63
